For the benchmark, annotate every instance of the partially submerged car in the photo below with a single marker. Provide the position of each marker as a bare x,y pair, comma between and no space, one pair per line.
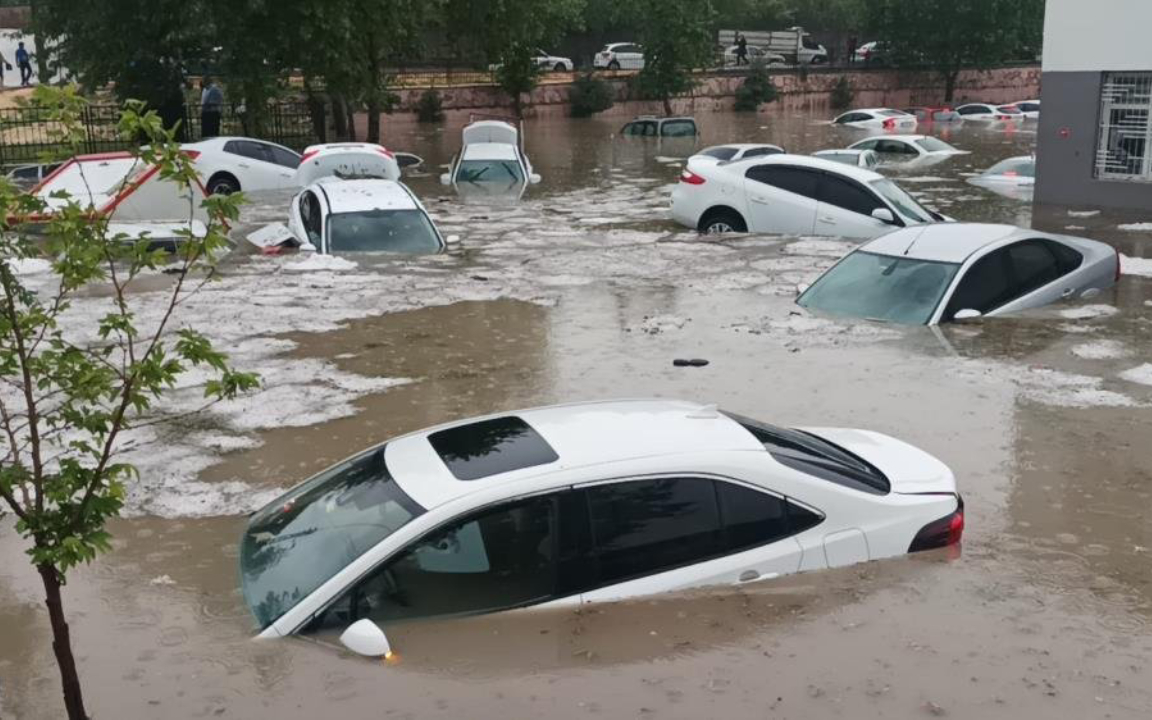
232,164
738,151
878,119
918,150
793,195
347,160
984,112
867,159
581,503
960,271
1013,178
29,176
935,114
1029,108
491,160
662,127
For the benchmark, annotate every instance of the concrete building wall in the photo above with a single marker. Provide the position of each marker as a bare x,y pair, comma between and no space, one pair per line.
1100,35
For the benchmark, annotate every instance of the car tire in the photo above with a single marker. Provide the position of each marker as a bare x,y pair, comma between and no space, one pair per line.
560,67
614,65
223,184
720,221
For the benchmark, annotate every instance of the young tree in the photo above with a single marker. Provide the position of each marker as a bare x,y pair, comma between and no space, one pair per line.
948,36
677,38
68,393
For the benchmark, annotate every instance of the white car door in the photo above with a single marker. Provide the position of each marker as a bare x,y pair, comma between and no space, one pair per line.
666,534
781,199
276,167
631,58
845,209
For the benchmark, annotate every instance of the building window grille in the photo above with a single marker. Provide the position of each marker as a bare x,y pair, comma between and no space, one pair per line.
1124,147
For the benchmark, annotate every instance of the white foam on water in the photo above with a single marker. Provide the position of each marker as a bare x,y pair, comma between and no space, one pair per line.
321,263
1101,350
1083,213
1136,266
1141,374
1088,312
1136,227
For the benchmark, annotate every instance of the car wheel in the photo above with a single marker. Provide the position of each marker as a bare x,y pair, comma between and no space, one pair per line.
721,221
223,184
614,65
560,67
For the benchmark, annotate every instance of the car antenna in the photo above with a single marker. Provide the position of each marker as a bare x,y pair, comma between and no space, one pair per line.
914,241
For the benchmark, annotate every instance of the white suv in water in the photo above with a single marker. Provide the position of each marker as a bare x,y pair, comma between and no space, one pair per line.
581,503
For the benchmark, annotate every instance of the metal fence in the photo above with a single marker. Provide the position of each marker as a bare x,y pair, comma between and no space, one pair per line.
29,134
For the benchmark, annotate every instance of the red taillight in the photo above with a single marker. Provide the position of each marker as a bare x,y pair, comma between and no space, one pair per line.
193,154
386,153
1117,264
691,178
941,533
1010,173
309,155
890,123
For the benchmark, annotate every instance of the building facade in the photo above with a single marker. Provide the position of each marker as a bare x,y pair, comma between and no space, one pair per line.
1095,136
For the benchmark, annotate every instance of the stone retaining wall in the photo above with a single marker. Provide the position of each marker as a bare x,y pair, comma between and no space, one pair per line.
15,17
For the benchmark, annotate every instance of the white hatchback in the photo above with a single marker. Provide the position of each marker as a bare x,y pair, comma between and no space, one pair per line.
989,113
793,195
231,164
619,56
878,119
581,503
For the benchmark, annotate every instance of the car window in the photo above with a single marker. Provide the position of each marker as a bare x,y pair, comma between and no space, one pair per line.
894,147
891,113
1029,107
932,144
648,526
491,447
492,560
247,149
972,109
310,216
1033,266
750,517
1014,167
866,145
1067,259
986,286
809,43
794,180
283,157
678,128
640,128
881,287
761,151
721,153
847,195
853,117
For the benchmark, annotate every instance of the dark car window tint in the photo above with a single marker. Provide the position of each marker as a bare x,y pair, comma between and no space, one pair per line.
284,158
648,526
848,195
794,180
757,152
986,286
490,447
310,216
678,128
866,145
750,517
895,147
721,153
1067,258
801,519
1034,266
248,149
493,560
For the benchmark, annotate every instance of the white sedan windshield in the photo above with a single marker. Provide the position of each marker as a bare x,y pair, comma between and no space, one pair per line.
881,287
904,203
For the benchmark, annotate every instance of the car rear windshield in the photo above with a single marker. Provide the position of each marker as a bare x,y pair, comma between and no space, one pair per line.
303,538
891,113
402,231
932,144
817,457
881,287
721,153
501,172
490,447
1014,167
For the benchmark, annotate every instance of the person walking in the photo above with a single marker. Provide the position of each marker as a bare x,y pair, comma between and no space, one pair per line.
211,105
24,62
741,49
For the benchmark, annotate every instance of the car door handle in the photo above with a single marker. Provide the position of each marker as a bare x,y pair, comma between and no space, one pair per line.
243,165
827,219
760,199
1068,292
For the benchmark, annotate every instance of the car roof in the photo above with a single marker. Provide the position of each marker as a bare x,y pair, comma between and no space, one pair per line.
738,146
945,242
856,173
582,435
901,138
366,194
871,110
489,151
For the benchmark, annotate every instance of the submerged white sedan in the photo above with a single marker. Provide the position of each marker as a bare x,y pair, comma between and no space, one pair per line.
581,503
333,215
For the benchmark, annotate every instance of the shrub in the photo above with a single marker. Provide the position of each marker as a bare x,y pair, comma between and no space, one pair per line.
590,95
430,108
842,93
756,90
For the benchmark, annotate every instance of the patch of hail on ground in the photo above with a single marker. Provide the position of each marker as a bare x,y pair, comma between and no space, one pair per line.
320,263
1101,350
1075,227
657,324
1136,227
1048,386
1083,213
820,247
1136,266
29,266
1142,374
1088,312
924,179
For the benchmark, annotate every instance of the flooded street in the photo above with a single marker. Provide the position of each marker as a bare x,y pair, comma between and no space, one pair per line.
584,290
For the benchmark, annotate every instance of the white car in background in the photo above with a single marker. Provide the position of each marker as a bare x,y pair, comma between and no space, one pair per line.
1029,108
738,151
334,215
233,164
547,61
347,160
756,56
989,113
793,195
619,56
909,150
961,271
878,119
491,161
575,504
866,159
1013,178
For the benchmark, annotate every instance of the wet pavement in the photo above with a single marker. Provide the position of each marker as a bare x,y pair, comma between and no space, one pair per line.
581,291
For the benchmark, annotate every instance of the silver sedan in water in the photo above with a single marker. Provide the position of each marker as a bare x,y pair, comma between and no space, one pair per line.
930,274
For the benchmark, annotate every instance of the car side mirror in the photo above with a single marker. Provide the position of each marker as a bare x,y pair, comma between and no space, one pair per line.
884,215
445,179
968,314
534,178
365,637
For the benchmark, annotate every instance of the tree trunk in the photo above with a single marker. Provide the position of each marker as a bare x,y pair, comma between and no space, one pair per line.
351,113
667,105
950,78
374,120
62,644
339,117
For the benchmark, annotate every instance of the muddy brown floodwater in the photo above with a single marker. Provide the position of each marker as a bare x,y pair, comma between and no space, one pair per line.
584,291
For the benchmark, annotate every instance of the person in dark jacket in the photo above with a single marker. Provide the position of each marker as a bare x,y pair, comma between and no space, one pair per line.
24,62
741,49
211,105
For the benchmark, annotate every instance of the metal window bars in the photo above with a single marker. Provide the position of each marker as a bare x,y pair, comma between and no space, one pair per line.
1124,145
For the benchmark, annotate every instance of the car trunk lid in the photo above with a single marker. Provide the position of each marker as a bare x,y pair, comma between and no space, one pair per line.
910,470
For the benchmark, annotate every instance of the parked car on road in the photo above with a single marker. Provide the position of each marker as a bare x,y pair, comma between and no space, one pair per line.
871,53
756,56
652,126
1013,178
878,119
619,56
491,161
989,113
919,150
866,159
793,195
232,164
1029,108
365,215
546,61
935,114
575,504
738,151
959,271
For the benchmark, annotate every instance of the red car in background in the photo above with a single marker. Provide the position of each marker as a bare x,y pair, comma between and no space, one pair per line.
934,114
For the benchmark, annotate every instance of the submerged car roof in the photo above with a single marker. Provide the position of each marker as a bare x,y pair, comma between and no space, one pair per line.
432,465
944,242
366,194
856,173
